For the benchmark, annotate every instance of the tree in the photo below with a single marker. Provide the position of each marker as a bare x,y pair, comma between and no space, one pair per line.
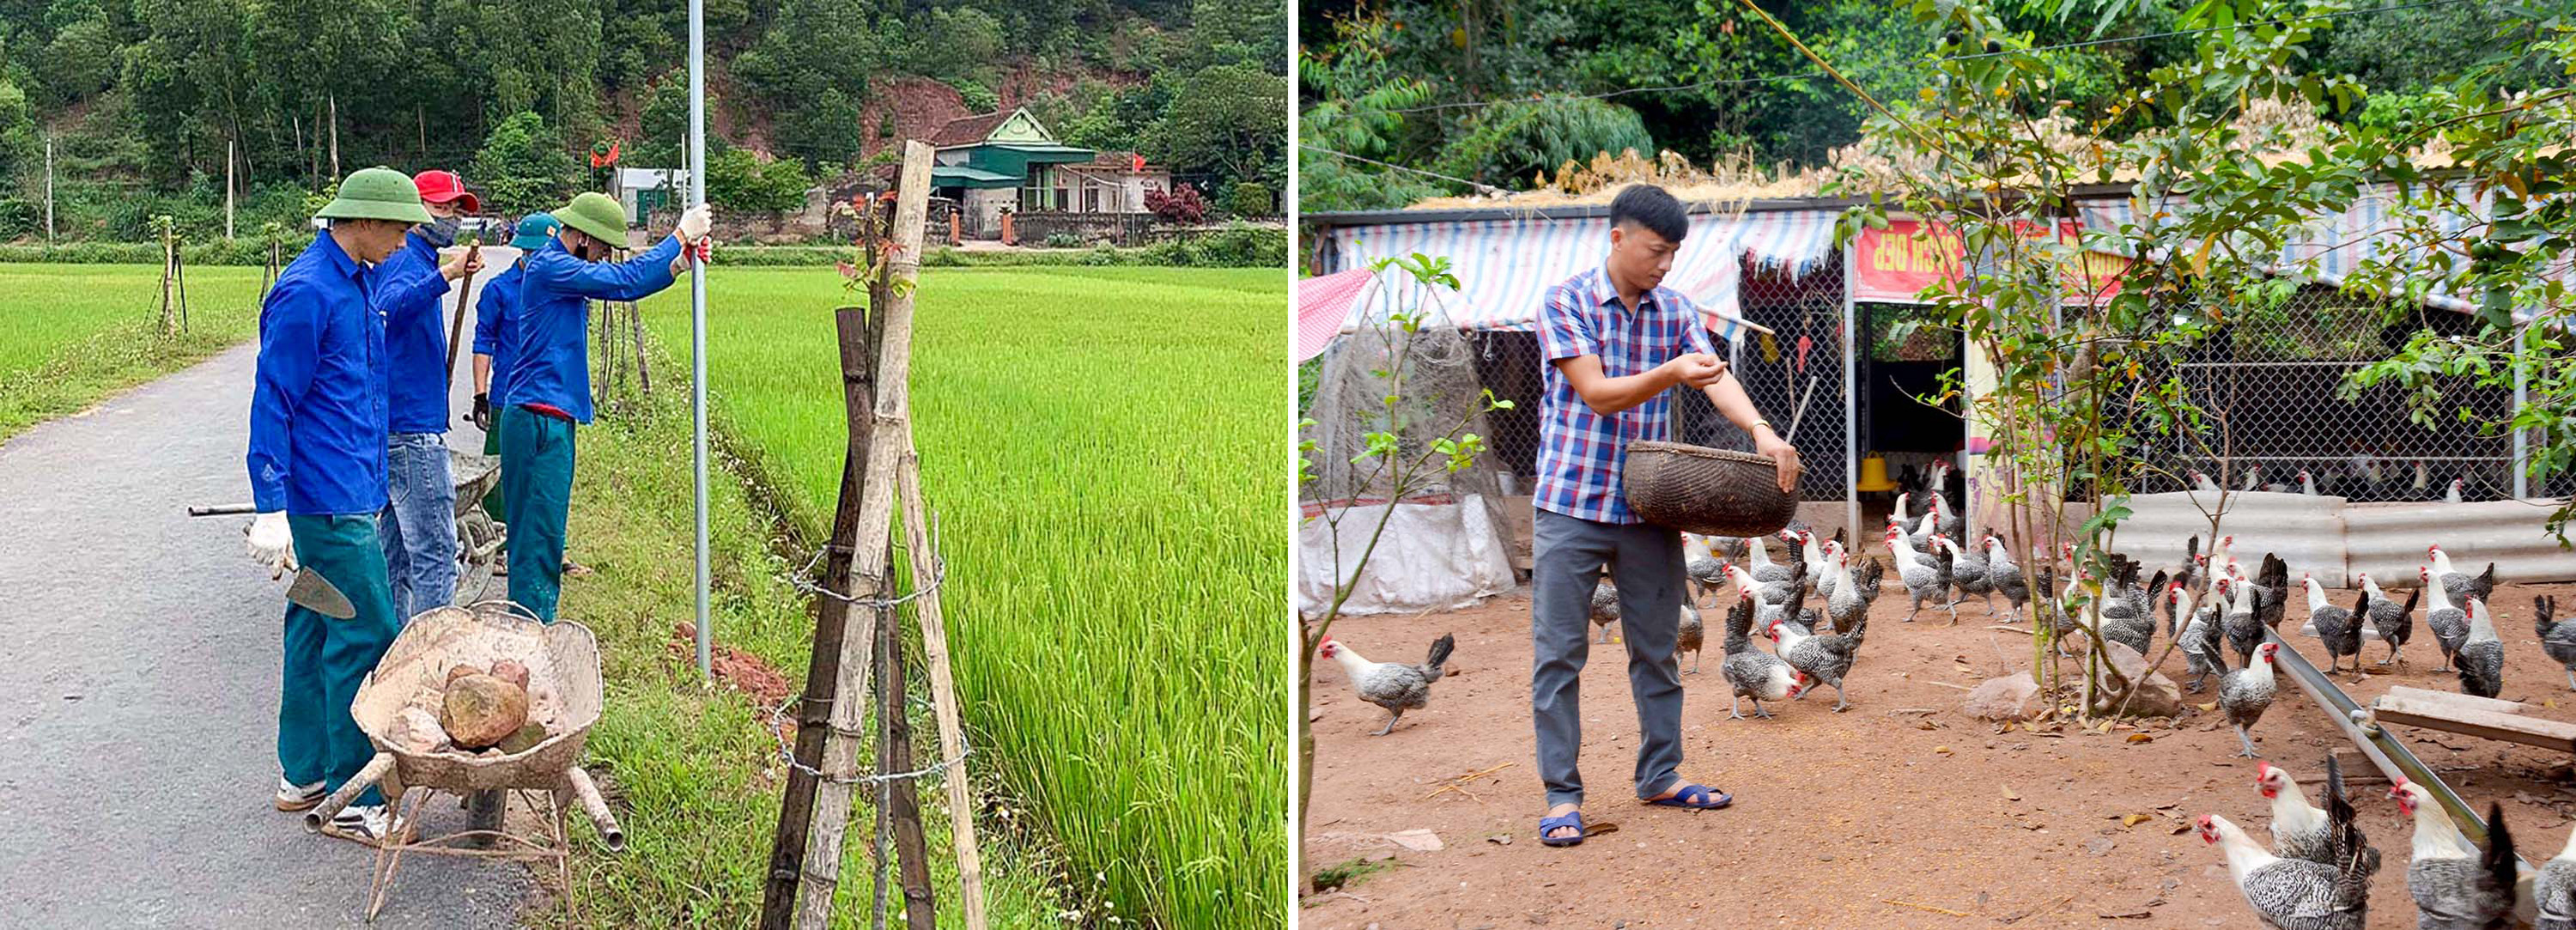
80,62
525,166
811,67
739,180
1229,121
1510,142
18,142
953,44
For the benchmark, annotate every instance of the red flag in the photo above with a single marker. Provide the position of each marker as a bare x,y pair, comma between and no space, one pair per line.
598,160
1136,163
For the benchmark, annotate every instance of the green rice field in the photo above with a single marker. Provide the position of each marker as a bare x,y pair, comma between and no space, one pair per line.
1101,447
77,333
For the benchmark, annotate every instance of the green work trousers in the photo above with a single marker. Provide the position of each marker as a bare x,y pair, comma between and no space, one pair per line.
317,740
536,454
492,500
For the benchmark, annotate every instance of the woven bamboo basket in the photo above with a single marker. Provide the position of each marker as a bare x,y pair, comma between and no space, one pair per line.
1713,492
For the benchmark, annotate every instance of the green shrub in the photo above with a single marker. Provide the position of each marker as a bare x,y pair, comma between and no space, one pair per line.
1239,245
1249,198
1063,240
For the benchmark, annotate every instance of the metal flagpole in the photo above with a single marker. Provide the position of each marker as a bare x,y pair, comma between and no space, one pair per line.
1851,403
698,318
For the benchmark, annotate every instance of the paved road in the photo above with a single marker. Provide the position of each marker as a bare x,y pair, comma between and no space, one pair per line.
138,688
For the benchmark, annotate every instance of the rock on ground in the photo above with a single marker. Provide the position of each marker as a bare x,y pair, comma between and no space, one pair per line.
2012,697
2157,697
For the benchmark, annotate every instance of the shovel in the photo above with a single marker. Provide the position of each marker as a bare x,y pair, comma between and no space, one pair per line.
309,590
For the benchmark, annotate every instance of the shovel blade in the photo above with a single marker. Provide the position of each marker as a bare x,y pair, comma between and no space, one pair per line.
313,592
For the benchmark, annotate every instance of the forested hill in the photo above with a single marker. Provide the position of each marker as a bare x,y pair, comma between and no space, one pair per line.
141,98
1497,90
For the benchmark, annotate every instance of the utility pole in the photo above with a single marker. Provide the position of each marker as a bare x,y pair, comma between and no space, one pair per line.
335,136
697,164
49,187
228,189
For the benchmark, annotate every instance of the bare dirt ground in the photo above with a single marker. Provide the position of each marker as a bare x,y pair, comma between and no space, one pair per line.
1881,816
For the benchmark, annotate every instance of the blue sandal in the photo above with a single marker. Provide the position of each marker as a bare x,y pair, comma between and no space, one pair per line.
1548,825
1696,797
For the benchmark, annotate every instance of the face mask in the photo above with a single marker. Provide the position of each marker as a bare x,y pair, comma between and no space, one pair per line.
441,230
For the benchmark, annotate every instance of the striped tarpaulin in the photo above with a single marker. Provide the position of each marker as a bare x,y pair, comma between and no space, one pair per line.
1323,304
1505,266
2326,249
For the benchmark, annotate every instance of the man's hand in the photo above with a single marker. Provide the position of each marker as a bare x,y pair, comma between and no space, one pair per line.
694,223
1769,444
271,543
468,262
482,415
1697,369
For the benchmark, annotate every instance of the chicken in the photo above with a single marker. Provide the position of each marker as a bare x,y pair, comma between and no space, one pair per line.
2253,479
2222,557
2455,885
2121,623
2338,629
2298,827
1809,552
2394,622
1922,575
1967,573
1824,659
2307,483
2557,637
2554,890
1704,571
1605,604
2481,658
2244,694
2297,894
1948,523
1752,672
1398,688
2460,587
1847,606
2237,619
2452,496
2450,625
2200,482
2194,639
1690,637
2004,577
1758,561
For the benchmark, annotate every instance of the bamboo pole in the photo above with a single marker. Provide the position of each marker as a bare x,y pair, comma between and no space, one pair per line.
943,694
902,804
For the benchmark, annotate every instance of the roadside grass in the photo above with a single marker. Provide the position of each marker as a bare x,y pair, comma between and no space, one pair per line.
695,769
73,334
1103,447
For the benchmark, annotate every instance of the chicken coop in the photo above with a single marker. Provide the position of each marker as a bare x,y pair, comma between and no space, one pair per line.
1830,343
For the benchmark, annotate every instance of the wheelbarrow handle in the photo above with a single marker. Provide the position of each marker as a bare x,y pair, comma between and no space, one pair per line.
597,807
222,510
349,791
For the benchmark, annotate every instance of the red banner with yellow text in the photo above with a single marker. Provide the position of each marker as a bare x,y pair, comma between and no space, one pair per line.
1896,264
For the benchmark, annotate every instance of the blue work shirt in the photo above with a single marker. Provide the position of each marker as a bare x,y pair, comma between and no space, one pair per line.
317,405
548,339
411,292
492,317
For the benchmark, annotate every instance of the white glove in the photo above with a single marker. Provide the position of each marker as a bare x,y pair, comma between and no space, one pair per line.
694,223
271,544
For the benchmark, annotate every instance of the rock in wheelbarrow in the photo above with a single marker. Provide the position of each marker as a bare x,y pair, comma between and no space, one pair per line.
482,710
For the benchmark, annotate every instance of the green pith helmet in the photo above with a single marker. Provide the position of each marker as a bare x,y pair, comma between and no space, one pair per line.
597,214
376,194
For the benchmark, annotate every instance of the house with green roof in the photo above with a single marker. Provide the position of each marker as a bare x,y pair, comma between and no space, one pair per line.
991,161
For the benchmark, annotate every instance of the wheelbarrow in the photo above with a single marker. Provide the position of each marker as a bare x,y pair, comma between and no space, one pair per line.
564,693
479,538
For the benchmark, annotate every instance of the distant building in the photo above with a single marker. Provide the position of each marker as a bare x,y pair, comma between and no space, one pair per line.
990,161
646,192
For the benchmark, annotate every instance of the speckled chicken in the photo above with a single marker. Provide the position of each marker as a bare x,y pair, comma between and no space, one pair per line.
2298,827
1605,605
2449,622
2238,620
1822,659
1750,671
1923,576
1846,605
1758,561
1706,572
1967,574
2338,628
2557,637
2194,640
2004,577
1689,636
2458,586
2297,894
2554,889
2393,621
1398,688
2244,694
2481,658
2456,886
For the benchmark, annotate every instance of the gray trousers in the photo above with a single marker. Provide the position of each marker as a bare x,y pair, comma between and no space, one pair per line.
1645,562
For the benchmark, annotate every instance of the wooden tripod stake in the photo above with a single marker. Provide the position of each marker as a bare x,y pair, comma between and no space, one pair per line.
805,859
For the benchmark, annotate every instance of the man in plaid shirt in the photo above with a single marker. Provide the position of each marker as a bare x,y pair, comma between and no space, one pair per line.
1615,342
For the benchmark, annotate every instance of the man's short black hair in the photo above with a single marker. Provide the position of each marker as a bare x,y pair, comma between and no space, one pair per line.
1653,208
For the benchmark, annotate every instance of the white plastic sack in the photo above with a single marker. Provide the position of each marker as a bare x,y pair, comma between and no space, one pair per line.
1433,557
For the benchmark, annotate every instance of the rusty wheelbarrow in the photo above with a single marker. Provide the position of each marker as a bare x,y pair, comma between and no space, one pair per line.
564,694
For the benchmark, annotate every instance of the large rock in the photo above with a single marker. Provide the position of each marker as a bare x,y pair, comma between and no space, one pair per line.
2012,697
2157,697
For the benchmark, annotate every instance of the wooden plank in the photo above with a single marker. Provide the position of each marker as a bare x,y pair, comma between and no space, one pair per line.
890,435
943,695
2485,724
902,797
2454,697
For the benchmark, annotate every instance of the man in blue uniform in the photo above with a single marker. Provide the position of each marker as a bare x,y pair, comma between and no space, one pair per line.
548,390
419,522
491,367
317,478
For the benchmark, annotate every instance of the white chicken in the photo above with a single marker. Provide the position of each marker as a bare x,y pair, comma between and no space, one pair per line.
1398,688
2455,885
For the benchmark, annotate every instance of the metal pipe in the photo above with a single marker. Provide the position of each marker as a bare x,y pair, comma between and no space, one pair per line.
583,790
1851,405
358,784
698,324
2521,437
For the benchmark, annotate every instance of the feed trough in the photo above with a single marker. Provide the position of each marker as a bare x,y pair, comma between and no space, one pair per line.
564,694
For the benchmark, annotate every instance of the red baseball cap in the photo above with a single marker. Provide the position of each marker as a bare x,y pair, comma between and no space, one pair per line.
442,186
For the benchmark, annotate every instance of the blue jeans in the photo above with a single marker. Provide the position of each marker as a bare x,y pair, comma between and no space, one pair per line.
419,523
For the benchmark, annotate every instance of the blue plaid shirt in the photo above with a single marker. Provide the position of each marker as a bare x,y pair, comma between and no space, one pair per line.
1579,451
